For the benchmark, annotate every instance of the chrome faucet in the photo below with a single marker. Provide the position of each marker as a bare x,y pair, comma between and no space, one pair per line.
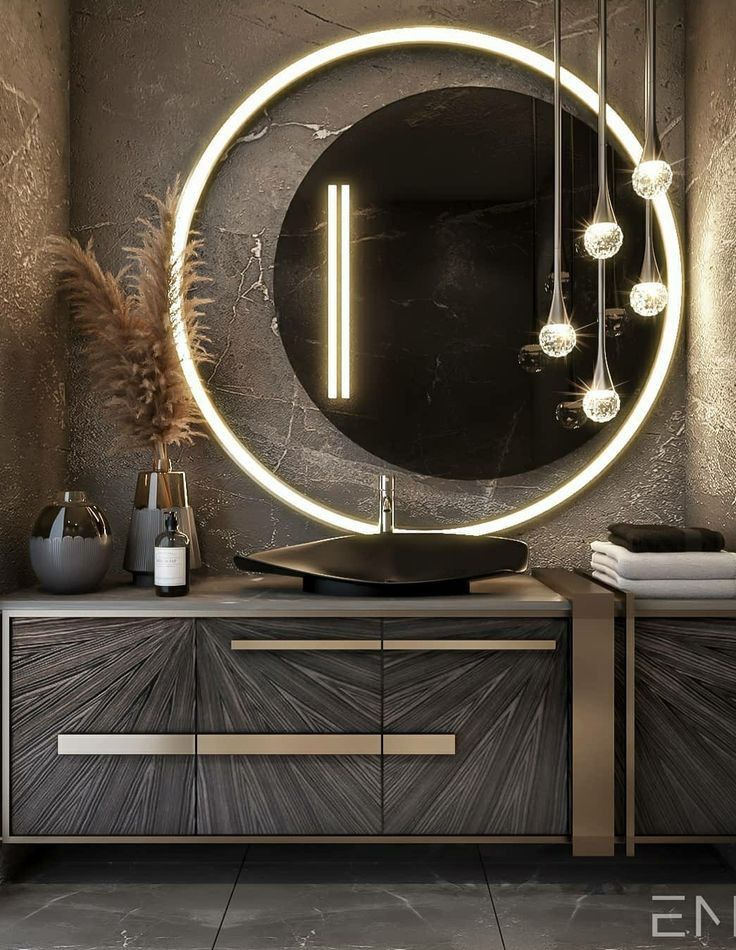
385,504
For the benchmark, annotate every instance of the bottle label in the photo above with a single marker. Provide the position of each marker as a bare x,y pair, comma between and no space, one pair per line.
170,567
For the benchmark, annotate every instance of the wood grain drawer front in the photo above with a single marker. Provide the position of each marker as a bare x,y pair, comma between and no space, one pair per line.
331,692
90,677
508,709
685,726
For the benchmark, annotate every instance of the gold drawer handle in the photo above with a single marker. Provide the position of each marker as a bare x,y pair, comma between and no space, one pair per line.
281,645
419,744
338,744
289,744
122,744
474,645
487,645
264,744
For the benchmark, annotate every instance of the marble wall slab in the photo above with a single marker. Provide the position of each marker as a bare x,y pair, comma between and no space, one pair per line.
34,161
711,200
150,83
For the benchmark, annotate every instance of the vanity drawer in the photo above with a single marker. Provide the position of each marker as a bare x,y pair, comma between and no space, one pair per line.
102,727
500,687
289,723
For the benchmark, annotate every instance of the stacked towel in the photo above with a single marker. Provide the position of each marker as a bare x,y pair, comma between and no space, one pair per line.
662,537
676,574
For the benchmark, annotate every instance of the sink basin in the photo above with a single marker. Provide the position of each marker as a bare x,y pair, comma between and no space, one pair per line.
392,564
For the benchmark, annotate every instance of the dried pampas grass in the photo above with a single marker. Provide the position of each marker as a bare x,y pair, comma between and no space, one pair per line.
125,319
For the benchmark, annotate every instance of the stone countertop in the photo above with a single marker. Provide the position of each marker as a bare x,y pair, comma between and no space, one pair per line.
518,595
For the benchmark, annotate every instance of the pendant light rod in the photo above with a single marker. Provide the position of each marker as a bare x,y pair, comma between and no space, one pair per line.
601,376
558,150
557,337
602,81
603,237
651,140
653,175
649,270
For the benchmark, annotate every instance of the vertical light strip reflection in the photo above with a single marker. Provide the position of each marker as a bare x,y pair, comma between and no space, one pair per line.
332,291
345,292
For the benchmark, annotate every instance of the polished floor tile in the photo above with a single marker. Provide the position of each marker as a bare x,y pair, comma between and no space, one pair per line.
381,904
552,901
101,898
365,897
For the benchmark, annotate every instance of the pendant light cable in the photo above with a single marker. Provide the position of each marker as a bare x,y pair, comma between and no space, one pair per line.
603,237
557,337
652,176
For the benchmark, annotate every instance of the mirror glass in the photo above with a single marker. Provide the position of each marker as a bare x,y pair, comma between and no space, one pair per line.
450,241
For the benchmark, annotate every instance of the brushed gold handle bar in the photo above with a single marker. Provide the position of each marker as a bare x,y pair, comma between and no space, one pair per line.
419,744
126,744
261,744
281,645
316,744
475,645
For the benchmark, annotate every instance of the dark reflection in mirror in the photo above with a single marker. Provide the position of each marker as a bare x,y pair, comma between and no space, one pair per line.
451,254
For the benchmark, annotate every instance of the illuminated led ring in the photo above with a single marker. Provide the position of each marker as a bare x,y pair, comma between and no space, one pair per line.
253,105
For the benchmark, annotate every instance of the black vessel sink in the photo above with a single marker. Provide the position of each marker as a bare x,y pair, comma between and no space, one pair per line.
392,564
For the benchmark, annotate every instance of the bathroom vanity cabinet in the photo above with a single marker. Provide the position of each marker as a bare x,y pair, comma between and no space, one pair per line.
246,711
681,736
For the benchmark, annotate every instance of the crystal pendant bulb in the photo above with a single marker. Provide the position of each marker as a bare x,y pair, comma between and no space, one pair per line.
601,405
653,175
603,239
570,415
557,339
648,298
531,358
601,402
652,178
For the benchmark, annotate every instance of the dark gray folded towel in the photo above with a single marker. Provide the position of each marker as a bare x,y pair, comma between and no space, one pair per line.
664,538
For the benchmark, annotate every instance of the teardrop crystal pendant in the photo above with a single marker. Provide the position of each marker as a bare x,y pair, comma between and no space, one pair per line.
603,236
653,175
601,402
557,337
649,296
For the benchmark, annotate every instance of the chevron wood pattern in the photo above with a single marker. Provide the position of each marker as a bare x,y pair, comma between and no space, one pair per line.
288,692
685,726
73,675
509,711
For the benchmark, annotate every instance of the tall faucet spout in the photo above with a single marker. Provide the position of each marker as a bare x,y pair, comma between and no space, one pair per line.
386,504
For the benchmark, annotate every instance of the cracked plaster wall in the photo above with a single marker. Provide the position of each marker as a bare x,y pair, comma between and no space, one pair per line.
711,199
150,82
33,203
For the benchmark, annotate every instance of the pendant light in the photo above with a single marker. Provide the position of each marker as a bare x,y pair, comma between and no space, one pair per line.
649,296
601,402
653,175
557,337
603,237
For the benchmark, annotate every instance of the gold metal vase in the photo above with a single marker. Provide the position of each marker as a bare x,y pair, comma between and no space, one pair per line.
156,492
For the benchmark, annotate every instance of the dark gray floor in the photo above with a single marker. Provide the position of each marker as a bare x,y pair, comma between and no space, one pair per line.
362,897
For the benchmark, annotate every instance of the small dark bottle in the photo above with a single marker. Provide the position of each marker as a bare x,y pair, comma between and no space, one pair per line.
171,561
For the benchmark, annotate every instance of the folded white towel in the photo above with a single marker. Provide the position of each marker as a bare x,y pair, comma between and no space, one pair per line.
685,565
678,589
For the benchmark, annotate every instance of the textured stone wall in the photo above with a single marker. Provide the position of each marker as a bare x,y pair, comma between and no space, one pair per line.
34,67
711,207
151,81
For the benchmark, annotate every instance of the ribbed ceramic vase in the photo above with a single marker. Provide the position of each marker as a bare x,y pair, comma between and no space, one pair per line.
156,492
71,545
